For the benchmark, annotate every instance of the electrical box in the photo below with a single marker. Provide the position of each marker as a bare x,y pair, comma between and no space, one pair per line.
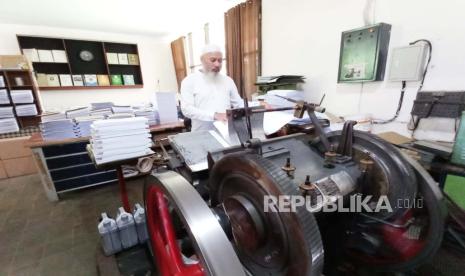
363,53
407,63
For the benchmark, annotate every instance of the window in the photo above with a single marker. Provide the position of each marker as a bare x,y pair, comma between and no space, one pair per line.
210,33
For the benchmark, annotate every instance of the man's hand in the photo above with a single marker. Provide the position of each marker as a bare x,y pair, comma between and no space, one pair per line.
220,117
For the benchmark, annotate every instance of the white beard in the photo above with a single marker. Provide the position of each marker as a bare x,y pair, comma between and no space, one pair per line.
211,76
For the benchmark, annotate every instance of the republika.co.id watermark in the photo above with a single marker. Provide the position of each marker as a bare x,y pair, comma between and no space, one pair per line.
352,204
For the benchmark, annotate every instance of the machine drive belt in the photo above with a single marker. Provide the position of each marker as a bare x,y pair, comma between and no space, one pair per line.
307,220
261,169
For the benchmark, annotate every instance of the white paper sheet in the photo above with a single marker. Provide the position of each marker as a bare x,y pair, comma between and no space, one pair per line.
167,110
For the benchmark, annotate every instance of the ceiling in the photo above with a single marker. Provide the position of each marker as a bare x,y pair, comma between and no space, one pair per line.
144,17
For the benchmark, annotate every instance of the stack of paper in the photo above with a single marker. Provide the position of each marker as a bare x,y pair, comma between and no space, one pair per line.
102,112
6,112
120,139
120,115
78,112
8,125
58,129
26,110
82,124
22,96
101,105
2,82
167,109
52,116
193,147
148,113
4,97
122,109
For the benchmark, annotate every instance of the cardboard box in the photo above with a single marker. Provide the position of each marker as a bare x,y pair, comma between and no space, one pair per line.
2,171
19,166
14,148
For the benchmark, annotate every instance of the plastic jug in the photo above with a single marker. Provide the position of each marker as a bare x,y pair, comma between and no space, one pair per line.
127,228
139,218
109,235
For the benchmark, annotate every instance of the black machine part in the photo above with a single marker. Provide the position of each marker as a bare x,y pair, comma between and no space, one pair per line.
419,246
268,243
391,175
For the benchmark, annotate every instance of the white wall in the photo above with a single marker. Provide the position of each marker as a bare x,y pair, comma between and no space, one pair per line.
303,37
155,58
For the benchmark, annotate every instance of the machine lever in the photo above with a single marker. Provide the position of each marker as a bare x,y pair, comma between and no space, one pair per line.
345,144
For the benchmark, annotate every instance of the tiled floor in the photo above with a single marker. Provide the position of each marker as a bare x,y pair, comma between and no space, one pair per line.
42,238
39,237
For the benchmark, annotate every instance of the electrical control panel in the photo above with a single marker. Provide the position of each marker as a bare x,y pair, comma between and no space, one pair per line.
407,63
363,53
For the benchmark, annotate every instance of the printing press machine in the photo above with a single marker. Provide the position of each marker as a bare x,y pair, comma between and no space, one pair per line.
206,213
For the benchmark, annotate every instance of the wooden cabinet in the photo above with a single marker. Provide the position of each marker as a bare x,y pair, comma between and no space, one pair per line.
19,79
64,165
84,57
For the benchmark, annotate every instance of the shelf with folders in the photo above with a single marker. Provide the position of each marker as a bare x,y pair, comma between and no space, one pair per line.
71,64
19,101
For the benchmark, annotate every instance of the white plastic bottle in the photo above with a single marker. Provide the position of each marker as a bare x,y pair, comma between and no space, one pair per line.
139,218
127,228
109,234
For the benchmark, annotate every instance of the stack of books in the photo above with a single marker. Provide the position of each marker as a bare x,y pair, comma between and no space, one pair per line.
52,116
82,124
102,112
78,112
8,125
58,129
101,105
120,139
22,96
26,110
66,80
149,113
121,111
6,112
4,97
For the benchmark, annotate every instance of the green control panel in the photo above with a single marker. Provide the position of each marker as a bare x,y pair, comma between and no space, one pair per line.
363,53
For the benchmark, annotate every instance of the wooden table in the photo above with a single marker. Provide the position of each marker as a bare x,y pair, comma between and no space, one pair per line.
64,165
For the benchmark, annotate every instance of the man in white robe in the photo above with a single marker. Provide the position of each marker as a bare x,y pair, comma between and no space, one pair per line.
206,94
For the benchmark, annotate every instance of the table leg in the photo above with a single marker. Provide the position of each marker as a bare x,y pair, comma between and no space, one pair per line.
122,189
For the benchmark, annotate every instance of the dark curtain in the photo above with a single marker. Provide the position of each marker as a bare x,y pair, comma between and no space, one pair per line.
243,45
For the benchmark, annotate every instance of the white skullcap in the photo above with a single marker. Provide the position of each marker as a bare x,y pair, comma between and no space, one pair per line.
210,48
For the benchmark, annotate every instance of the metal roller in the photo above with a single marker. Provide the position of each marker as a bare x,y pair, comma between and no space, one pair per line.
268,243
215,254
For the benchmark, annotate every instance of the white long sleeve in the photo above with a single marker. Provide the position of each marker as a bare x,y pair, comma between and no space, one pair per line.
202,96
188,107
